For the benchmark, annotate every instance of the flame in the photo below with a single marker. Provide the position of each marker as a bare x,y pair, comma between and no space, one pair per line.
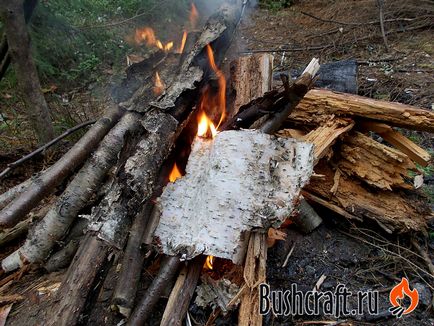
183,41
205,125
401,290
194,15
158,85
175,173
147,35
209,262
221,82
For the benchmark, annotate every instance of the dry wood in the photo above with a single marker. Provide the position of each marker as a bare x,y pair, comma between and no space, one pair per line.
325,136
144,307
78,281
58,220
14,232
396,139
251,77
319,104
374,163
182,292
132,263
47,182
254,274
393,211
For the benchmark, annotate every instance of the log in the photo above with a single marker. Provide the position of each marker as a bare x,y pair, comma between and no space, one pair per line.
58,220
14,192
182,292
251,77
131,266
254,274
47,182
376,164
69,298
167,273
396,211
399,141
318,105
307,219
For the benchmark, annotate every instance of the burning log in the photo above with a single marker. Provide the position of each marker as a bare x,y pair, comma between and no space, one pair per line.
319,104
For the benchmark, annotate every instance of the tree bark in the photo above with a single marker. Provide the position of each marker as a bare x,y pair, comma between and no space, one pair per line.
18,38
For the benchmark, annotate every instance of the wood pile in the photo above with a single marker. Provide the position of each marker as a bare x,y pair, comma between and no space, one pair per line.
324,141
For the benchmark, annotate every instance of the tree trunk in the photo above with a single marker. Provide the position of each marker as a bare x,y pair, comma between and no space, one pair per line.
25,69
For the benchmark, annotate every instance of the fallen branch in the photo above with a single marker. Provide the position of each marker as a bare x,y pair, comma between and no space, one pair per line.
41,149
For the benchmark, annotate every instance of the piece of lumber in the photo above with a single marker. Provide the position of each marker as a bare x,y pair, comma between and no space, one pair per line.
319,104
376,164
143,309
182,292
47,182
200,214
396,211
326,135
251,77
254,274
398,140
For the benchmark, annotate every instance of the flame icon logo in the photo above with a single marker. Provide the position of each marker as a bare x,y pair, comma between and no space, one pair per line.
397,295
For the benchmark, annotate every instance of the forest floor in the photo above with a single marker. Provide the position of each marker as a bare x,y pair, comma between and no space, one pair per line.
358,256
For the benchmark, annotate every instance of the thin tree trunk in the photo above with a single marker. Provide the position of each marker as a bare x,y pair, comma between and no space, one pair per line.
25,69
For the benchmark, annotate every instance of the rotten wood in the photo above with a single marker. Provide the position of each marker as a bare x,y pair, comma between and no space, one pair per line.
144,307
182,292
47,182
319,104
254,274
399,141
376,164
396,211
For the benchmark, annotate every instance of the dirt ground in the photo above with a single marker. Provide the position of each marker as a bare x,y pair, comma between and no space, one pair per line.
358,256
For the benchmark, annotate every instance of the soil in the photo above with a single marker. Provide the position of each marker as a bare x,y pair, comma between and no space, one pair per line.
360,257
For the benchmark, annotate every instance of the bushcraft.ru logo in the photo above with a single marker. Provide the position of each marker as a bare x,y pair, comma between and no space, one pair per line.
333,303
397,296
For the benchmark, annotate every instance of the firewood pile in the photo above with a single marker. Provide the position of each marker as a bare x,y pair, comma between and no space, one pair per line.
251,162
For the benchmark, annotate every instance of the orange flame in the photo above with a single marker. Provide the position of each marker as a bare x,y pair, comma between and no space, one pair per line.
194,15
209,262
175,173
147,35
183,41
205,125
401,290
158,85
221,82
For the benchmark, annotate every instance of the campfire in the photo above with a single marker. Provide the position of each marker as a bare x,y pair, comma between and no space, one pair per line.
196,184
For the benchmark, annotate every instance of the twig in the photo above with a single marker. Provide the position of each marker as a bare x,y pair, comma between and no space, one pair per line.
380,4
424,254
319,283
288,255
13,165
